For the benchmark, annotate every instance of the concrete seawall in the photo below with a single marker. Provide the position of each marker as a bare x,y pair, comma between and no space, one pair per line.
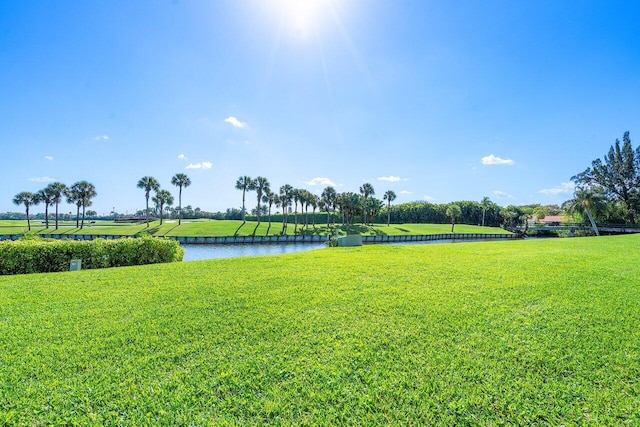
221,240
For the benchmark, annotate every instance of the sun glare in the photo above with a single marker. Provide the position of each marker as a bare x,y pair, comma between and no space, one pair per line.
302,17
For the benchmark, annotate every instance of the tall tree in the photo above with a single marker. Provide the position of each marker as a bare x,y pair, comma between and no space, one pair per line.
366,190
181,181
314,201
81,194
27,199
485,203
162,198
73,198
589,202
389,196
58,190
270,198
295,196
261,186
304,197
618,174
351,204
329,196
46,196
148,184
453,212
286,195
373,207
244,183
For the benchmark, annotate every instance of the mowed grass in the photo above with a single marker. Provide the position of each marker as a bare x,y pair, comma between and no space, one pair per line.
523,332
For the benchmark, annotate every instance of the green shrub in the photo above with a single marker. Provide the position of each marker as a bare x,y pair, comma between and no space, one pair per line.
35,255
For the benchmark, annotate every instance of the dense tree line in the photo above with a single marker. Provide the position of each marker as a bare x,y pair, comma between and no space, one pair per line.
614,181
608,191
79,194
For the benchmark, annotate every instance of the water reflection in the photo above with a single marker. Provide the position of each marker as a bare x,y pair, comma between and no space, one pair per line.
200,252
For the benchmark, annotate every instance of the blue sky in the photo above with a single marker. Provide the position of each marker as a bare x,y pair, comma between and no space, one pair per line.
435,100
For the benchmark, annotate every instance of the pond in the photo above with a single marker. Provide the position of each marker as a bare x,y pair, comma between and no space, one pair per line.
203,251
200,252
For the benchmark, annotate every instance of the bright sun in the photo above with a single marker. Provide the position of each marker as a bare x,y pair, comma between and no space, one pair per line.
303,17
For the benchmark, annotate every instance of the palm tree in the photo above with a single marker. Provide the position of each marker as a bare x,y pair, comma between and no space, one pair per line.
58,191
586,200
244,183
453,211
261,186
295,195
350,205
286,195
162,198
314,201
304,197
148,183
485,203
389,196
373,206
329,196
270,198
46,196
73,198
180,180
366,190
81,194
27,199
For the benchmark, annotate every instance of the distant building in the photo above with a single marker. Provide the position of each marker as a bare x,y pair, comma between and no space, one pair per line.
552,220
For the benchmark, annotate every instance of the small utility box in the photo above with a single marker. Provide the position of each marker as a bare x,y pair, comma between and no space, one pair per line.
350,240
75,265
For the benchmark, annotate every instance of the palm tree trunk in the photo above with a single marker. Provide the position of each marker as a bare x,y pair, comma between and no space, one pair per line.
77,216
28,220
389,212
147,210
593,223
180,205
483,212
244,213
56,215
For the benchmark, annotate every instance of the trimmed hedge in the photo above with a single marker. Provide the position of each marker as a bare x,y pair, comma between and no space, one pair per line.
35,255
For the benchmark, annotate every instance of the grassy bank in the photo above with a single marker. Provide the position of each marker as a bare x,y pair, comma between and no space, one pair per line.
473,333
191,228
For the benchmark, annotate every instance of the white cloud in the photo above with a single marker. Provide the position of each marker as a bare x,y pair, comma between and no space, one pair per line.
406,192
430,199
235,122
321,181
203,165
182,157
499,193
389,178
563,188
41,179
48,157
493,160
101,138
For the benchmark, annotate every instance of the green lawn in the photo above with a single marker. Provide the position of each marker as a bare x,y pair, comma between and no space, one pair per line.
522,332
231,227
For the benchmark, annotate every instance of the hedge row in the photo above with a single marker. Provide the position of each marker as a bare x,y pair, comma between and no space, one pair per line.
35,255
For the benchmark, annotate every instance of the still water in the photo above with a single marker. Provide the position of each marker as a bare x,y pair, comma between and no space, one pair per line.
199,252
